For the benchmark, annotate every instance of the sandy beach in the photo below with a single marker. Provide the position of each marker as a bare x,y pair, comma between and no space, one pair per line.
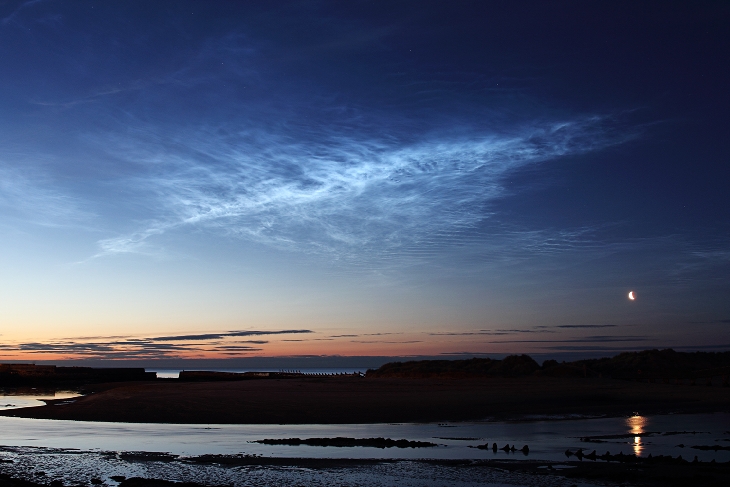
339,400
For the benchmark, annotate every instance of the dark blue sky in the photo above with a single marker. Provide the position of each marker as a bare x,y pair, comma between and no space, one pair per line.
462,176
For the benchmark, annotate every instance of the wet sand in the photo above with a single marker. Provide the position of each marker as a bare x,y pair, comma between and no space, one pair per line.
338,400
513,472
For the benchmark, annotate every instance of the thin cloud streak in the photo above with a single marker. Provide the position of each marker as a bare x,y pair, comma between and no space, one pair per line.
492,332
35,200
212,336
586,326
333,194
115,347
596,338
14,14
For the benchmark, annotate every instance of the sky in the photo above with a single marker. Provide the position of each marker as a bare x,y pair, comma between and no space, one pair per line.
219,179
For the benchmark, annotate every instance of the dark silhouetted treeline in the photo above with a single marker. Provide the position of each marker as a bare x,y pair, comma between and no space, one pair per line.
655,364
512,366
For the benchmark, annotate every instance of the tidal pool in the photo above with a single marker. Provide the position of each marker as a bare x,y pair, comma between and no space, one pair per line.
548,439
31,396
77,452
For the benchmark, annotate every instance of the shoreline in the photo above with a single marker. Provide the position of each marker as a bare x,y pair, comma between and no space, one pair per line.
664,471
339,400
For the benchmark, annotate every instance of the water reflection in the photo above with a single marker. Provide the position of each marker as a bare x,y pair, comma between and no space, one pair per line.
175,373
24,397
637,425
547,440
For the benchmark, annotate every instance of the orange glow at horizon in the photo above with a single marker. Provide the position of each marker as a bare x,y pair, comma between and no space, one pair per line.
267,344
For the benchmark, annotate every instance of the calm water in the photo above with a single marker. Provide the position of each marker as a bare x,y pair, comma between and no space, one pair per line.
547,439
31,396
175,373
78,451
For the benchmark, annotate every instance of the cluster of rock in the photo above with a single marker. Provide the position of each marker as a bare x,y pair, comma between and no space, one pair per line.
620,457
348,442
506,448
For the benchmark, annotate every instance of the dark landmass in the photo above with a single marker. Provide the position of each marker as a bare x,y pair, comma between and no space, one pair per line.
18,375
213,376
663,365
348,442
649,382
512,366
666,365
348,399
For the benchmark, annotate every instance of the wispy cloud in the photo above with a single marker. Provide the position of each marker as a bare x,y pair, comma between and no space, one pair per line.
388,342
495,332
717,346
588,339
590,348
173,346
212,336
13,16
329,192
28,196
586,326
464,353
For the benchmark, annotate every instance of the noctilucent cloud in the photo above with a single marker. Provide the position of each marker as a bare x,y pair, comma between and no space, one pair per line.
231,179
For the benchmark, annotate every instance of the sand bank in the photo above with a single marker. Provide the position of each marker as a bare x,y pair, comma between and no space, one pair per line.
338,400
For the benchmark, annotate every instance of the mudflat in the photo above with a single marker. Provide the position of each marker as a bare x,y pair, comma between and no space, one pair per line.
337,400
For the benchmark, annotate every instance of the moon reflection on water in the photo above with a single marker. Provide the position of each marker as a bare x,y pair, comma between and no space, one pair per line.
637,424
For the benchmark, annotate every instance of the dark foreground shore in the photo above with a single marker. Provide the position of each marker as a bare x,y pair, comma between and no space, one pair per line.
657,472
338,400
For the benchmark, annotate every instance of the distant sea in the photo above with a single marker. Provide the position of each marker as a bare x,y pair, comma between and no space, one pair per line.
164,373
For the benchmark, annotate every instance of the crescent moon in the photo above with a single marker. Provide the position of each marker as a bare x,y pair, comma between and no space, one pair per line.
631,296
